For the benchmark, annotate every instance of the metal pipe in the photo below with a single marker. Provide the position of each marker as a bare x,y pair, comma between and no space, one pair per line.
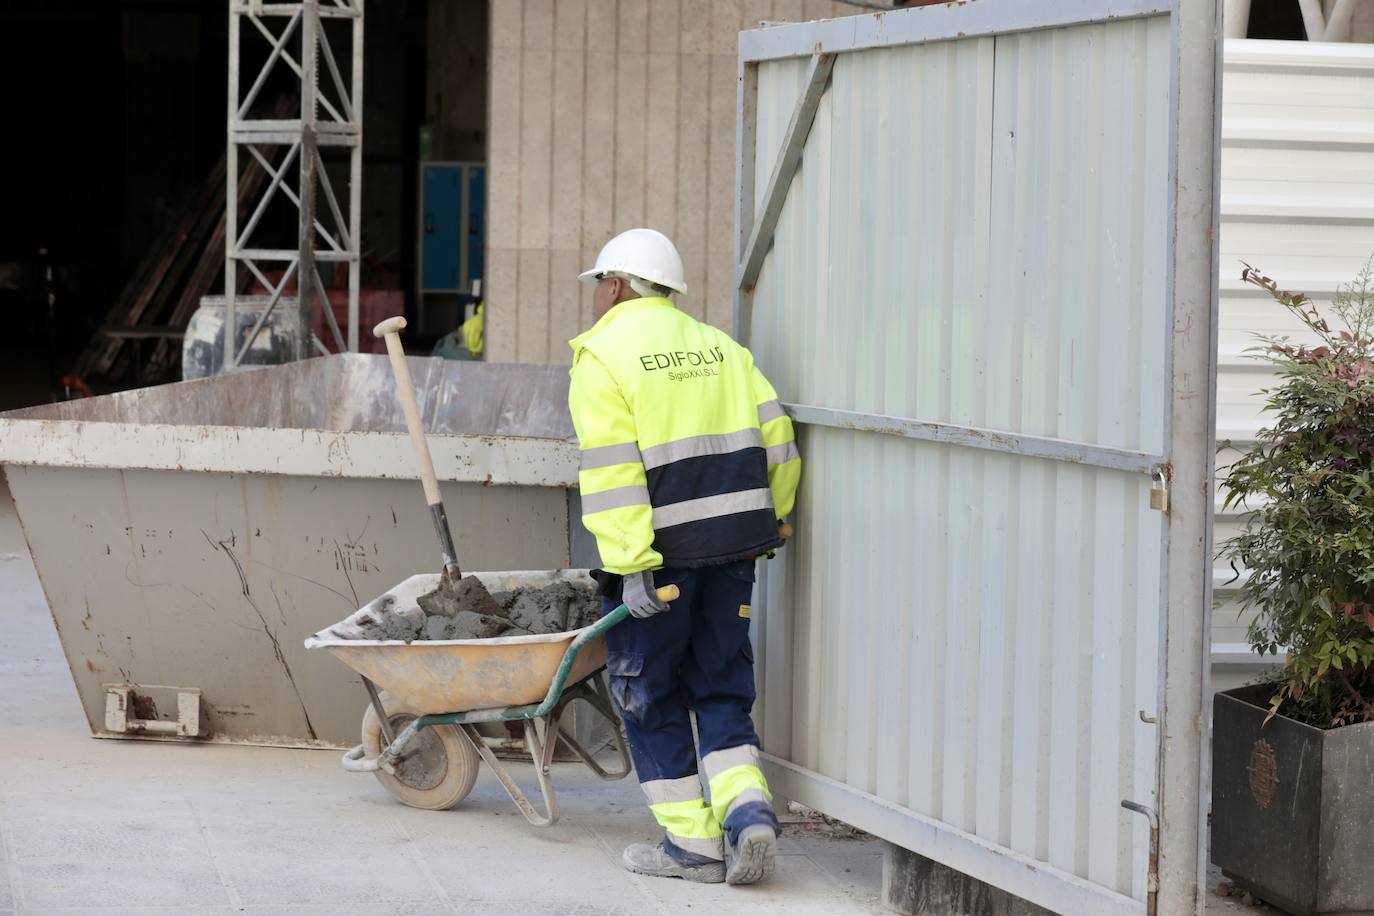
393,750
1237,18
445,535
309,156
1084,453
357,761
380,709
231,194
1338,22
355,186
1152,874
746,142
1313,22
152,727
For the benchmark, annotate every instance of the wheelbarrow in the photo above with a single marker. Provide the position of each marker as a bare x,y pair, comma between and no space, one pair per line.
419,731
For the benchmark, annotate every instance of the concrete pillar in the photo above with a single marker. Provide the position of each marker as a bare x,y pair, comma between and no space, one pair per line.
916,886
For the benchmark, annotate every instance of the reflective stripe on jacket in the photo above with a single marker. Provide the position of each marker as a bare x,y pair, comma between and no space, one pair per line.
687,457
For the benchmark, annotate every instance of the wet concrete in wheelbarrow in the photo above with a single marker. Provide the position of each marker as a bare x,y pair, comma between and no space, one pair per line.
465,610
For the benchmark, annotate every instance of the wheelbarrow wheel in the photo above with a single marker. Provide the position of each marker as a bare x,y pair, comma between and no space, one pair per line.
439,765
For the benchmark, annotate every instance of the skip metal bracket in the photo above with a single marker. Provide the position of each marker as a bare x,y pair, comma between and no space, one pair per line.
127,712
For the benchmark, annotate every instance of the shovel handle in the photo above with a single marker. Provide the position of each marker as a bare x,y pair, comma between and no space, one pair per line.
393,325
390,329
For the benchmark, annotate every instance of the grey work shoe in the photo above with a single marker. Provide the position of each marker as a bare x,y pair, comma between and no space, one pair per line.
643,859
752,860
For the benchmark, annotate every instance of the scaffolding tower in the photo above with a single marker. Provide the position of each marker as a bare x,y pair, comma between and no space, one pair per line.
328,118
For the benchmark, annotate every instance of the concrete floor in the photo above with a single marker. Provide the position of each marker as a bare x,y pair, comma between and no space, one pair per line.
1233,902
134,827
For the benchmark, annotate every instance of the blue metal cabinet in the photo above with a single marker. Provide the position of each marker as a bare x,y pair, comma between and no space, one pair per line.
452,226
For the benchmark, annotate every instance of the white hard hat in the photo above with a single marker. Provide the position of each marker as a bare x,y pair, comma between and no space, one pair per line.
644,253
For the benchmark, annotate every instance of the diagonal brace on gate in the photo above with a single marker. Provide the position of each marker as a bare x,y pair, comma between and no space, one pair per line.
798,129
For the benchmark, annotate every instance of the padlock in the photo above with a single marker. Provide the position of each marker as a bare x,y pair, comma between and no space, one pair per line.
1159,492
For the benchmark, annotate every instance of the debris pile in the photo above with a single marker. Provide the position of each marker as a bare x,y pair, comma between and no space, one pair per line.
466,611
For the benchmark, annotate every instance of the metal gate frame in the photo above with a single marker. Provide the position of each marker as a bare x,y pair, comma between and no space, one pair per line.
1178,859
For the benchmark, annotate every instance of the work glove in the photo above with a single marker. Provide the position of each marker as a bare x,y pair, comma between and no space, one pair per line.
639,595
784,532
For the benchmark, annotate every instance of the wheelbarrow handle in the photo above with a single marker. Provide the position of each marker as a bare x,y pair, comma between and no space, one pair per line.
598,629
665,594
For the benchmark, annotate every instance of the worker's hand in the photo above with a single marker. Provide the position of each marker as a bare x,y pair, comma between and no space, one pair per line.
640,597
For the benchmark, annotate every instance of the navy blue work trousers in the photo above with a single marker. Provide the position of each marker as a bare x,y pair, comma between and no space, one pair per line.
694,657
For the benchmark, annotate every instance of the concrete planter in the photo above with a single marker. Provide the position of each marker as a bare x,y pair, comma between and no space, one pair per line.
1292,807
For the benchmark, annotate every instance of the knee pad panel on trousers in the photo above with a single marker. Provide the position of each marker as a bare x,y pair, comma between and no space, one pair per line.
628,687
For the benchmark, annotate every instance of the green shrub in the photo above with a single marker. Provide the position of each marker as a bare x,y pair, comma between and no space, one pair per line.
1308,547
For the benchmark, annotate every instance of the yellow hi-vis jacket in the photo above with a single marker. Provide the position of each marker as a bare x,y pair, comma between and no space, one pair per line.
473,332
687,458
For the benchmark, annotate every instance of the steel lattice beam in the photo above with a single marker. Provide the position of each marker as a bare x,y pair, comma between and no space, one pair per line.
298,41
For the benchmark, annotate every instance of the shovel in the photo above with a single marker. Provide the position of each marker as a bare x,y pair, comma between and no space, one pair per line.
459,594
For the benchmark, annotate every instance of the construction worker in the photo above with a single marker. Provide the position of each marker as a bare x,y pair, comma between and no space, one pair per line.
688,467
474,333
467,341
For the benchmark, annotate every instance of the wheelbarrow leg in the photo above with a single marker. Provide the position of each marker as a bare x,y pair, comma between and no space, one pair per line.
355,761
599,700
542,755
380,710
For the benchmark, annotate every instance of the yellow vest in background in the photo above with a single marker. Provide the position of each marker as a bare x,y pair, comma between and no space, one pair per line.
472,332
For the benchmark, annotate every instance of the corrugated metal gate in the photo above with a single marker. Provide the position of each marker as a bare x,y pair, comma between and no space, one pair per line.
975,260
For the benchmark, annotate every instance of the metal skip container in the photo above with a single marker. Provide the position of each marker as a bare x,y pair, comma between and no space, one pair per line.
188,537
